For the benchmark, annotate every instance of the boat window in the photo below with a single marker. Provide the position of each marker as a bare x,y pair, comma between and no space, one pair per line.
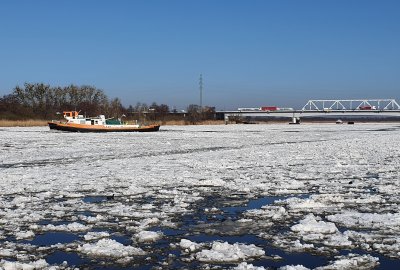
97,122
92,122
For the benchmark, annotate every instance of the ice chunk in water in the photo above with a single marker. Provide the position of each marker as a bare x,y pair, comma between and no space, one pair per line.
109,248
148,236
310,225
225,252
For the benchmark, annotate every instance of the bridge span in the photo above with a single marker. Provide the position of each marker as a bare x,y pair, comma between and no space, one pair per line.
327,109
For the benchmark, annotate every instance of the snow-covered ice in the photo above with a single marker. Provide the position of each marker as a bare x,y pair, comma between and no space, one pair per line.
293,267
225,252
148,236
352,261
95,235
328,189
248,266
72,227
310,225
381,221
10,265
109,248
189,246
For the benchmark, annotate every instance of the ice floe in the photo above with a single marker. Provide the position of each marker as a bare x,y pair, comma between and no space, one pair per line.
352,261
24,235
293,267
247,266
73,227
148,236
272,212
109,248
189,246
225,252
95,235
383,221
10,265
310,225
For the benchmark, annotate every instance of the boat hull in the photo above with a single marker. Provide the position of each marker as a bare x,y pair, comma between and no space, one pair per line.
93,128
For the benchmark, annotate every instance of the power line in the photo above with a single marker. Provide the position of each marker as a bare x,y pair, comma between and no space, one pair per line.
201,91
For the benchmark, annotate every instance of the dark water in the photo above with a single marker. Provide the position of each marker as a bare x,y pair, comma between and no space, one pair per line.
53,238
192,227
95,199
58,257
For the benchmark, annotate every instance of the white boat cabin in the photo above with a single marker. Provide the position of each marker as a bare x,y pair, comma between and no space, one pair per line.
76,118
73,117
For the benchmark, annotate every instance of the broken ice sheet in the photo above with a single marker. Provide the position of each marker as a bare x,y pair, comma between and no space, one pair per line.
349,176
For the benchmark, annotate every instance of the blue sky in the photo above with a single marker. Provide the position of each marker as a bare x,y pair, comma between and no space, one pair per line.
251,53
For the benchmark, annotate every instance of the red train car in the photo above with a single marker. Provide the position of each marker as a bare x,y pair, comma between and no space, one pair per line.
269,108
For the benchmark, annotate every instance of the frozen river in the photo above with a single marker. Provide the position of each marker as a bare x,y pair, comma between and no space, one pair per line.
205,197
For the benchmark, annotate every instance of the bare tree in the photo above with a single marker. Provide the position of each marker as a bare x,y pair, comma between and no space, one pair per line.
115,109
193,113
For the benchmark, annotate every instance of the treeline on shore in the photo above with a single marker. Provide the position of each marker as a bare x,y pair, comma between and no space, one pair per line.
42,101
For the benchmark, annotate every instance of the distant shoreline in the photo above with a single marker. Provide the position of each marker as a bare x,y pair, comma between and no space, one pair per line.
39,123
22,123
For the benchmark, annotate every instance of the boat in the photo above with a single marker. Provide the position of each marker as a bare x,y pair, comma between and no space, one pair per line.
339,122
76,122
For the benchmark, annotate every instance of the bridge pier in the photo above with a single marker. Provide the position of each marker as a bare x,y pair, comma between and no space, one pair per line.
295,120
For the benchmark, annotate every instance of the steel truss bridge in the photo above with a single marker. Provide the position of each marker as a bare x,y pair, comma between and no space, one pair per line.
328,108
351,104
